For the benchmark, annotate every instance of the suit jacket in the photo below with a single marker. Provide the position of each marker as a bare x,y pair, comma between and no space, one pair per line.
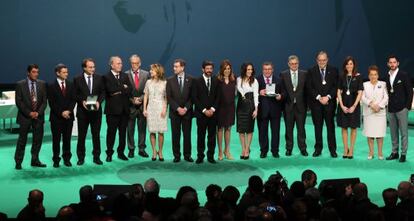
202,99
176,98
117,95
269,105
315,86
143,77
59,103
24,103
402,95
82,92
299,94
378,94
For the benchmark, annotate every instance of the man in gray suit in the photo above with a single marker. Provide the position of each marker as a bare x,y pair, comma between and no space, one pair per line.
31,104
138,78
295,105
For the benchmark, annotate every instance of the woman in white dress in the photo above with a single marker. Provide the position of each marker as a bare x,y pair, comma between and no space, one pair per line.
374,102
248,101
155,108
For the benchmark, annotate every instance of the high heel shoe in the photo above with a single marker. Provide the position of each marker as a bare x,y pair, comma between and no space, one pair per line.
159,157
246,157
241,157
370,157
153,158
228,156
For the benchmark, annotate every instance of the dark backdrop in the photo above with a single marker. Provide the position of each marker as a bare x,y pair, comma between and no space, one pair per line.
51,31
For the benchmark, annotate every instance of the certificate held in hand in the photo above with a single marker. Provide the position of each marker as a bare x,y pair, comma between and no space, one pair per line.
91,103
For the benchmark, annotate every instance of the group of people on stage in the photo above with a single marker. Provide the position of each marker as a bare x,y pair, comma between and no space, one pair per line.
136,97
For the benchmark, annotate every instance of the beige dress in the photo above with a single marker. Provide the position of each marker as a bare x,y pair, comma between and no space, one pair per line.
156,102
375,124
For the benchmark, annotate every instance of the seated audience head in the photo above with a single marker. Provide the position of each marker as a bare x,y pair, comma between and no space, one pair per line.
403,190
151,187
213,192
183,190
230,195
86,193
35,198
360,191
309,178
390,197
66,213
255,185
297,189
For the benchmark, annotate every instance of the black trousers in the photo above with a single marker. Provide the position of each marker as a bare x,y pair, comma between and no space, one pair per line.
263,125
320,114
179,124
94,120
295,116
205,124
116,123
37,127
139,119
61,130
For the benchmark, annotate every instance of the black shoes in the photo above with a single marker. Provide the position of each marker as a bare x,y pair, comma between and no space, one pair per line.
131,154
80,162
56,164
38,164
211,160
67,163
97,161
18,166
402,159
188,159
199,160
275,155
143,154
393,156
333,154
304,153
316,153
263,155
108,159
122,156
288,153
176,160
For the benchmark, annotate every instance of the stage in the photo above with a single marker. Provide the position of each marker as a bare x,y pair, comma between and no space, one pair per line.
61,185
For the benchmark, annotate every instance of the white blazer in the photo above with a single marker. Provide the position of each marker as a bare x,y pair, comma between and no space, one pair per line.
376,93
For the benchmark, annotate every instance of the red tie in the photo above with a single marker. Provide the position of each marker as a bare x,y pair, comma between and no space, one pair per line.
63,88
136,79
267,80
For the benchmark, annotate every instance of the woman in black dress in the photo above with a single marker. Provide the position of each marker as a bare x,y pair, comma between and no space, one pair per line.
247,103
350,87
226,108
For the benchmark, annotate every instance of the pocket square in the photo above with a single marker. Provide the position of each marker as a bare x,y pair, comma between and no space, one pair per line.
399,81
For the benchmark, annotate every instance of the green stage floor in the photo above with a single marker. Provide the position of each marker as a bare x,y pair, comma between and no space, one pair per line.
61,185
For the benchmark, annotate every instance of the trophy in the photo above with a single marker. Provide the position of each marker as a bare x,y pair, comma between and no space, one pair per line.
91,103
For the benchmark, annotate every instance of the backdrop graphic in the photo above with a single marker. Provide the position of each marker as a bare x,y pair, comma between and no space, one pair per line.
51,31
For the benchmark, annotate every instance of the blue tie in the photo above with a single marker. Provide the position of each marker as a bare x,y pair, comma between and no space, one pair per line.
89,84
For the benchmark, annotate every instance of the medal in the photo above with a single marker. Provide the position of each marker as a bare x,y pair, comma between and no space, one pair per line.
323,82
294,89
392,90
348,92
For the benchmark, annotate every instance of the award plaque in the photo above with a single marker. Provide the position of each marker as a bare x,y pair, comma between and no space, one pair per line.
270,90
91,103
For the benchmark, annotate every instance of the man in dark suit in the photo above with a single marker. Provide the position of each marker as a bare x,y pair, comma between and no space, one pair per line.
89,84
400,92
118,93
31,104
294,81
205,98
179,89
137,78
322,85
61,97
270,109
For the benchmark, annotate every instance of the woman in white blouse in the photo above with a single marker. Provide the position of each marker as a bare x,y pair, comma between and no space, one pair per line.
248,100
374,100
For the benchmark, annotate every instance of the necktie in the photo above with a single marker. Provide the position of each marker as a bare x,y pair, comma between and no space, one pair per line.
117,76
323,74
295,79
33,96
180,83
136,79
267,80
89,84
208,84
63,88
